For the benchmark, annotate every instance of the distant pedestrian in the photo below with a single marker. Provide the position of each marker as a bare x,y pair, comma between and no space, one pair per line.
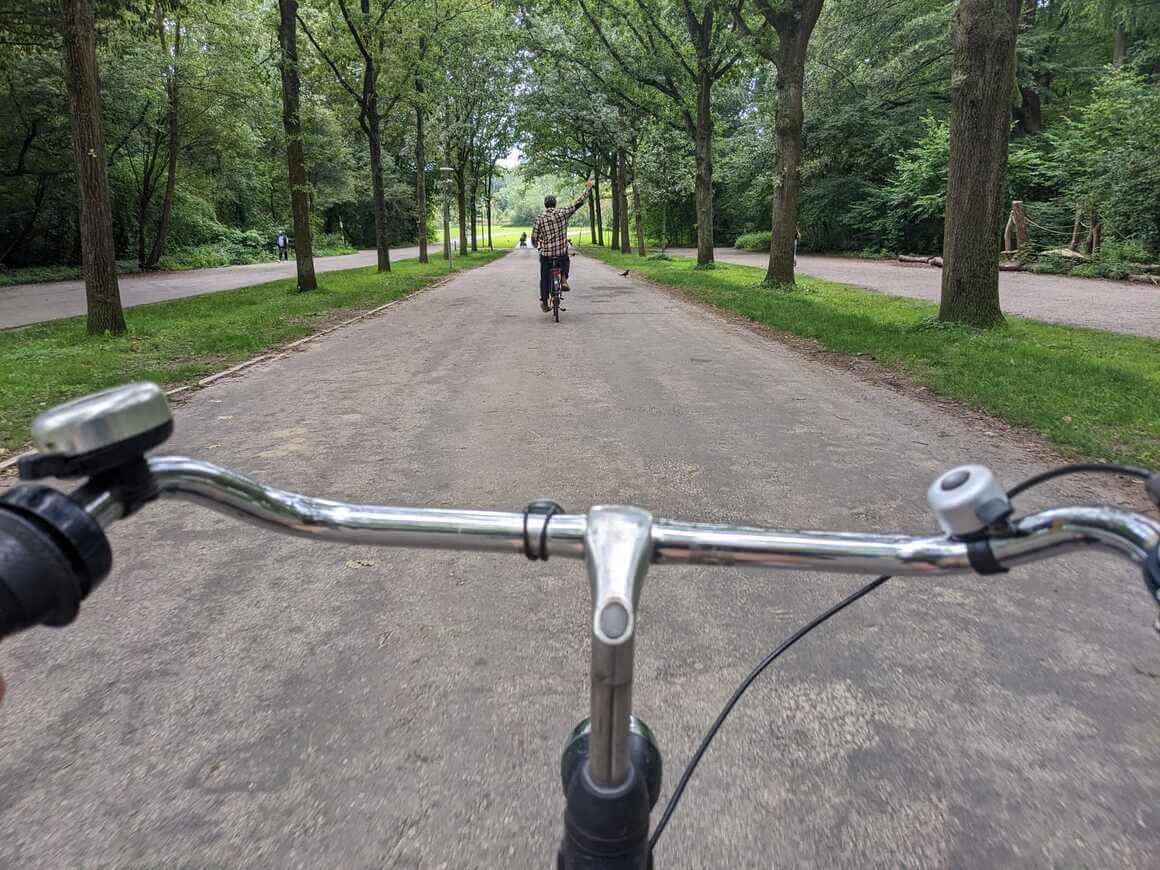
283,247
523,240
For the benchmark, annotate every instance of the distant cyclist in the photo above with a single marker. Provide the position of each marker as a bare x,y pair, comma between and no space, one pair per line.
550,235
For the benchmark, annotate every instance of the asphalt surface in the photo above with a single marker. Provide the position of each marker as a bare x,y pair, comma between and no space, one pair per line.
22,304
234,698
1118,306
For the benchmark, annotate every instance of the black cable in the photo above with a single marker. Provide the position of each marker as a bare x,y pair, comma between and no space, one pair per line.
671,807
1077,468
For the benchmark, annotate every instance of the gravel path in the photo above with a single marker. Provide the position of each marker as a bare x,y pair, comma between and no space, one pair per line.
233,698
1118,306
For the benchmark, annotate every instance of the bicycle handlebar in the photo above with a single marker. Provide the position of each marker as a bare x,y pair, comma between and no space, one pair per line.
43,532
1034,537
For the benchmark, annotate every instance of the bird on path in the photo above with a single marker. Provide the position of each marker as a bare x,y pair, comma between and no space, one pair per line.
624,274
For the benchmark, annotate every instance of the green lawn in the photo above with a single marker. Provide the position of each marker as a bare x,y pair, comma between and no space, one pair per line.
1095,394
173,342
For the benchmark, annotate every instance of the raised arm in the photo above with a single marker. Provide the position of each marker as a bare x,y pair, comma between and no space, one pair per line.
571,210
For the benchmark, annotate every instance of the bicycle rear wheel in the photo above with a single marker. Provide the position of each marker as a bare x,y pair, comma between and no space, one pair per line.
556,297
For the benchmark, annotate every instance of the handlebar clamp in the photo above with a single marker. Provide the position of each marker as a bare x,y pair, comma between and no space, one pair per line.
541,507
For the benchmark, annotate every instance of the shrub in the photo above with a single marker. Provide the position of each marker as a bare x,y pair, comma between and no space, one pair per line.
1052,264
758,241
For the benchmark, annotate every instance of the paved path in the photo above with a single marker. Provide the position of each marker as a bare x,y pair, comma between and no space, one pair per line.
233,698
1115,305
22,304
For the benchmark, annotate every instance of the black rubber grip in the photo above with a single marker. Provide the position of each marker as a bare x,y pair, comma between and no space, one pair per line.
52,554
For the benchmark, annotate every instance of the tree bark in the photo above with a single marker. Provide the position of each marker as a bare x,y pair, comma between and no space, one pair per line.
622,185
1075,231
461,203
591,219
295,150
703,149
793,21
375,142
983,67
82,77
615,189
787,177
640,249
474,210
420,174
599,207
1119,45
490,177
174,137
145,197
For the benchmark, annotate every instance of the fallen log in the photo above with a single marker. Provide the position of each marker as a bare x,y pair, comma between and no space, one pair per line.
909,258
935,261
1010,266
1065,252
1145,279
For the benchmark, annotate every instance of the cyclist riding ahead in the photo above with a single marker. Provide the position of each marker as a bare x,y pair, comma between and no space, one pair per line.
550,236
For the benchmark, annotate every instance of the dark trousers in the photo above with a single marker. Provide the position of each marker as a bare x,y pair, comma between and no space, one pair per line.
284,253
546,273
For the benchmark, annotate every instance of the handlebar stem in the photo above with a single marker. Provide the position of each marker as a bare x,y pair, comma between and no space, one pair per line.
618,545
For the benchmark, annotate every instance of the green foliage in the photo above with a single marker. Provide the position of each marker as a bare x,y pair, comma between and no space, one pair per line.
758,241
1094,393
1104,158
1052,264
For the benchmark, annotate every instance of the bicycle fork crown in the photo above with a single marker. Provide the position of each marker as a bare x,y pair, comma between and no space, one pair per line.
617,547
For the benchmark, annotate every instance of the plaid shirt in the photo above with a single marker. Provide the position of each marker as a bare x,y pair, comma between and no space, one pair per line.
550,233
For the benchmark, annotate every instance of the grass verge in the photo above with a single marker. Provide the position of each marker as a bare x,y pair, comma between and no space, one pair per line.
174,342
1094,394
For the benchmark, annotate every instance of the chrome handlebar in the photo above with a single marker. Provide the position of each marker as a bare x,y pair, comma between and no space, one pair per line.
1034,537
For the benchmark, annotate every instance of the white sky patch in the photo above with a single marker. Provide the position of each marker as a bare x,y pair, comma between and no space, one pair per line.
512,160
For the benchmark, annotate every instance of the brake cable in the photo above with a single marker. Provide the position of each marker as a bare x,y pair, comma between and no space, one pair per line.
1150,479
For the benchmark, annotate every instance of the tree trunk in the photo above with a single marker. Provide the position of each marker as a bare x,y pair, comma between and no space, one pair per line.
295,151
375,140
490,181
787,178
703,142
983,42
599,207
143,198
420,174
1075,231
622,185
474,211
591,218
174,143
1030,111
613,183
98,263
447,229
1119,45
461,203
640,249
